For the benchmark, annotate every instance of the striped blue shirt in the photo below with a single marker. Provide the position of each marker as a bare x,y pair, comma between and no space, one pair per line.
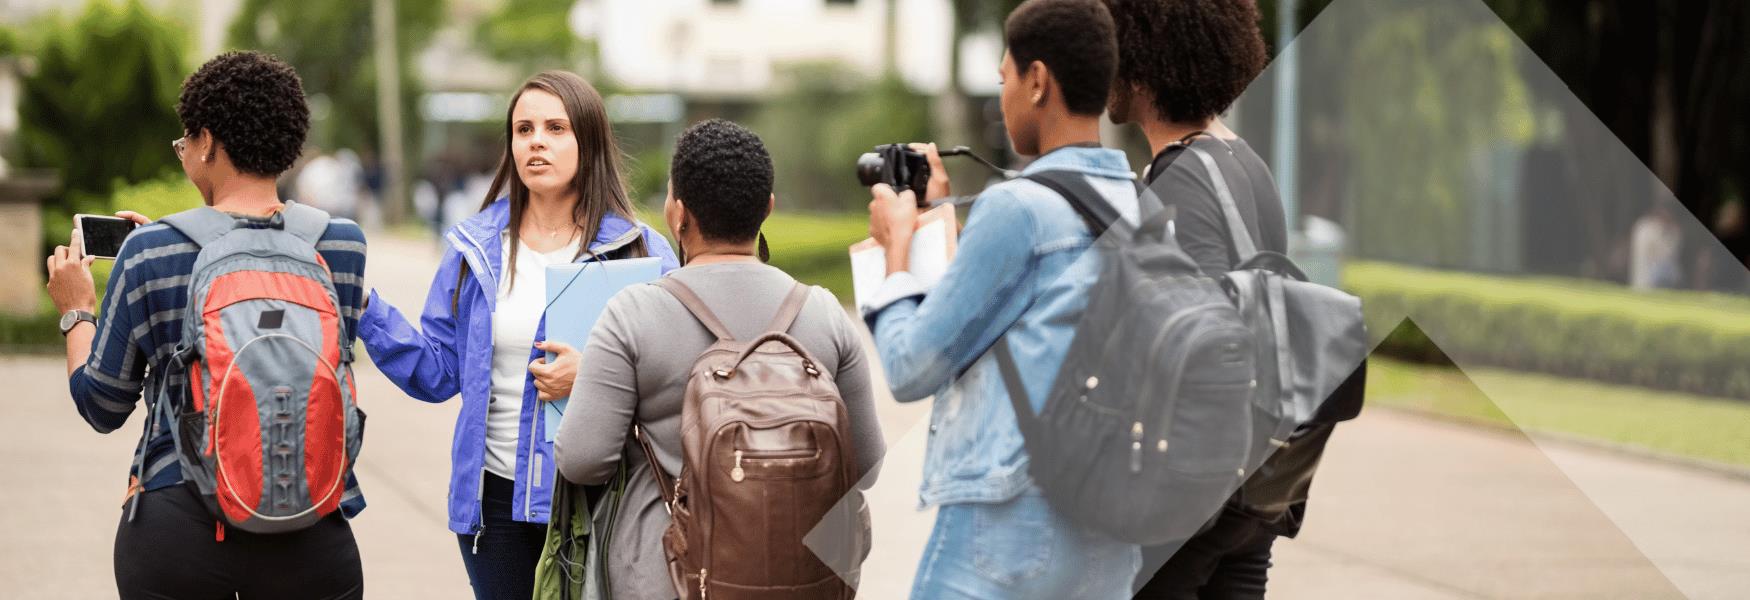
140,321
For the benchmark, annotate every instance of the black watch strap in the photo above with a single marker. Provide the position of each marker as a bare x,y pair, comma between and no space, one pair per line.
71,319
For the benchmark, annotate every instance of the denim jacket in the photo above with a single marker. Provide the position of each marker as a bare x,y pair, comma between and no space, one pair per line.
450,353
1020,271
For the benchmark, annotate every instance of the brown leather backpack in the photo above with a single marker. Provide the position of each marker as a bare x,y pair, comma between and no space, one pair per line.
767,457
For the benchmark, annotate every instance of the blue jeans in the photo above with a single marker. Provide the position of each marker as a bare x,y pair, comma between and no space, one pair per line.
1021,549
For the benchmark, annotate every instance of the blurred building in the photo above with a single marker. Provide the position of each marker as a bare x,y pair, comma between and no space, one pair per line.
736,48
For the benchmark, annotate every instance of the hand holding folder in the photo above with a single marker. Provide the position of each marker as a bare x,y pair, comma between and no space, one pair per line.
577,293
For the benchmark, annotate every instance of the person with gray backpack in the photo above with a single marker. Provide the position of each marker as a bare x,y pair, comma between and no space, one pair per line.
1020,279
234,323
1181,64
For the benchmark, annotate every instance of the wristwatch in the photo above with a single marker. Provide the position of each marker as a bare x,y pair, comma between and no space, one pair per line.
71,319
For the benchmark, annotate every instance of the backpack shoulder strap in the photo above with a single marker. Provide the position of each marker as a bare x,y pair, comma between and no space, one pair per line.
1087,202
1236,226
696,306
203,225
1017,389
305,221
791,307
663,483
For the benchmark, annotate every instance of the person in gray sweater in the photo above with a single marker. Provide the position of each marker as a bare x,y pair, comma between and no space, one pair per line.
636,364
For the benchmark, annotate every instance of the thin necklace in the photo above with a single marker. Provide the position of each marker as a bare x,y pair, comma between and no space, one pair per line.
553,231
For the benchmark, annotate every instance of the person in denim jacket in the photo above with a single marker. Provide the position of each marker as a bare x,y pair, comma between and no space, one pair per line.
1021,272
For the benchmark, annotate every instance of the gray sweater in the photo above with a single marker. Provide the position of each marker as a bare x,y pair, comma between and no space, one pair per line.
635,366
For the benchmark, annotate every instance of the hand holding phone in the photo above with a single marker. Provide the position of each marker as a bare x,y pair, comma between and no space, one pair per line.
69,269
102,236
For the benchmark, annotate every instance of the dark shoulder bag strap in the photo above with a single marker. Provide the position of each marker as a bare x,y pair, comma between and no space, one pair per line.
663,483
1236,226
1017,389
1099,214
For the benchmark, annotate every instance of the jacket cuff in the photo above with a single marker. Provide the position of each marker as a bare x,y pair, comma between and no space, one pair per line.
372,318
898,286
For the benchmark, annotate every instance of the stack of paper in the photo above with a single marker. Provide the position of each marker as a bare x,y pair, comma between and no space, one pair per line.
932,246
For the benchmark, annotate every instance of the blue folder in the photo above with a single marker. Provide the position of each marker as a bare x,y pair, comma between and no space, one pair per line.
576,295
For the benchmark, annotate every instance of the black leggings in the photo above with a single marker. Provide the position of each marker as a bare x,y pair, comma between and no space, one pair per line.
501,564
169,551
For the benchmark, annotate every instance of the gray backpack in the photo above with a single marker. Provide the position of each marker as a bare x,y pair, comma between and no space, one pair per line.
268,430
1173,391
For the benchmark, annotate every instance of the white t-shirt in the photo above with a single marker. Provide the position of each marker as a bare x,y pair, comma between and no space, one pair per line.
513,334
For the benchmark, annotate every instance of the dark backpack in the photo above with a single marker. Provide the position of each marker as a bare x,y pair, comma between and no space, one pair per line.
1145,432
269,428
1312,333
767,457
1178,385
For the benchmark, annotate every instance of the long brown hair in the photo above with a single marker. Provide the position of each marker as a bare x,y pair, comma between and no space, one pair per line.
599,182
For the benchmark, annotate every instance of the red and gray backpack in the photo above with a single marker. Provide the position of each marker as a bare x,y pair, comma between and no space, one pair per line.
268,430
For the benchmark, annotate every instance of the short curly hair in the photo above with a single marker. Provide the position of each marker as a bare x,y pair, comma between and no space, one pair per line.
1075,41
1194,56
253,104
724,175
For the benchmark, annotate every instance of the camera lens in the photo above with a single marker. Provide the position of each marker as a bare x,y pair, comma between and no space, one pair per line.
869,168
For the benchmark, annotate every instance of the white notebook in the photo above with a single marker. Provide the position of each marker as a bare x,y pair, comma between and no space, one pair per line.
932,246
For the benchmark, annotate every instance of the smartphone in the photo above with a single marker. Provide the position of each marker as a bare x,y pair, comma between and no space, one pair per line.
102,235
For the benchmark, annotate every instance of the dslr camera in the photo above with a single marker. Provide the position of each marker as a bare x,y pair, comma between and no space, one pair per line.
896,165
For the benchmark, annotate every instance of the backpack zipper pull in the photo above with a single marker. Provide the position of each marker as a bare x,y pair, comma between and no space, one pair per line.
737,474
1136,447
702,590
218,530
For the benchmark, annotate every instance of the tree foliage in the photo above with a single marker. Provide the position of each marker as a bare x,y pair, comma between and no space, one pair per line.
823,120
100,105
534,35
330,43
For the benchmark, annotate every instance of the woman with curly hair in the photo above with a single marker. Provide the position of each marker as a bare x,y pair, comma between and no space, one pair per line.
1181,63
244,120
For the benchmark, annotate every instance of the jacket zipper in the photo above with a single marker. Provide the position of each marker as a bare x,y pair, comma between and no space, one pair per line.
534,457
479,489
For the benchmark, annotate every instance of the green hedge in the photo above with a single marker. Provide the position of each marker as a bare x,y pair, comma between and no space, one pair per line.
815,248
1684,341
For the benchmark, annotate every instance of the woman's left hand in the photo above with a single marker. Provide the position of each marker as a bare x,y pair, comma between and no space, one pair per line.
553,379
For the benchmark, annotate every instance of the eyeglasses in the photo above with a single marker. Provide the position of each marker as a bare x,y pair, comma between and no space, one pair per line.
179,145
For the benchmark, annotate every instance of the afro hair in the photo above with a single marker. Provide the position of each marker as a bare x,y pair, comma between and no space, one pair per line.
253,104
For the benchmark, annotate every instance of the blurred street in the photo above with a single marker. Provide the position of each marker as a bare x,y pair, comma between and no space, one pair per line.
1404,506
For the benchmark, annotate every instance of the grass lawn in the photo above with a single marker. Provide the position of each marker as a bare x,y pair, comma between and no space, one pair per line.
816,248
1700,427
812,247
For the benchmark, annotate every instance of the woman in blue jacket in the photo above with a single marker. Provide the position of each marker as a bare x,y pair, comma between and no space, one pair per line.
558,197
